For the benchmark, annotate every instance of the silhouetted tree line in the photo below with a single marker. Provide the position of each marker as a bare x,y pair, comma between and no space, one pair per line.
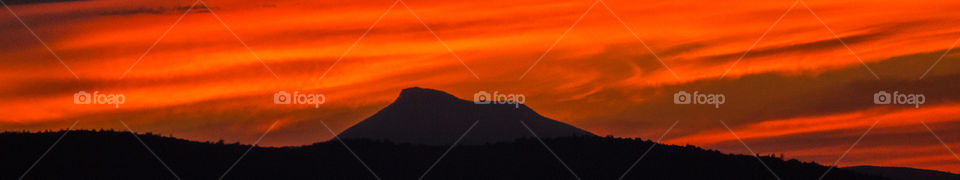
108,154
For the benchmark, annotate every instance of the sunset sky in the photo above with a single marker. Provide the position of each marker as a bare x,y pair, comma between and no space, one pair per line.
798,91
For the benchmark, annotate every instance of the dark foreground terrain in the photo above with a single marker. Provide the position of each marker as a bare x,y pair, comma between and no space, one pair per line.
118,155
904,173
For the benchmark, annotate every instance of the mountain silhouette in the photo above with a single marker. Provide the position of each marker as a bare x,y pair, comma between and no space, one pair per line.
428,116
409,139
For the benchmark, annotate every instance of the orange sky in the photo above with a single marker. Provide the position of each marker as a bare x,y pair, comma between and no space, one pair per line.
799,91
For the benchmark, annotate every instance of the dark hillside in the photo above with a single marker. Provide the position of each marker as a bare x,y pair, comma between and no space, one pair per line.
118,155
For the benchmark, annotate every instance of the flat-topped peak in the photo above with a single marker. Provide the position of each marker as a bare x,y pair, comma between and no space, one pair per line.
417,93
428,116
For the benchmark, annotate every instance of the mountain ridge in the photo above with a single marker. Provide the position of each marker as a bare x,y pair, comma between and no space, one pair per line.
501,146
84,154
